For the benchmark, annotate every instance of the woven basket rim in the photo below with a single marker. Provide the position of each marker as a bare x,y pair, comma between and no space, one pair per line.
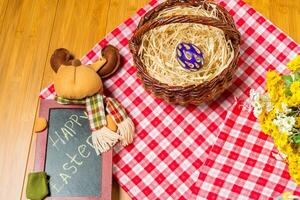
147,23
172,3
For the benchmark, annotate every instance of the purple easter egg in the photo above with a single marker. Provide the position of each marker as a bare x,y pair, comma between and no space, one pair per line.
189,56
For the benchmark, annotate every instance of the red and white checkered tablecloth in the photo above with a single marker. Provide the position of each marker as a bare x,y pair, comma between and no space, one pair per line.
173,142
241,164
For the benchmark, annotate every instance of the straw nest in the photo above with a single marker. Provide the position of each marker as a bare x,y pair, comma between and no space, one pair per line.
154,48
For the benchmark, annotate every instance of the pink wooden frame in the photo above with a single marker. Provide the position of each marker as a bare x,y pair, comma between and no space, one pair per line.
40,155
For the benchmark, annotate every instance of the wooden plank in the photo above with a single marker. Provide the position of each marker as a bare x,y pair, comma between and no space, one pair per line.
3,8
118,193
121,10
284,14
78,27
24,45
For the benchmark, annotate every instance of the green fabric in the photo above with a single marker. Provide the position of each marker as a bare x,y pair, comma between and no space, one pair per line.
37,186
96,111
62,100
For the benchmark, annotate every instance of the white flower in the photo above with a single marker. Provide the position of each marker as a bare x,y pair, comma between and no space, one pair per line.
257,111
255,103
254,96
279,155
266,100
284,123
289,123
285,108
259,101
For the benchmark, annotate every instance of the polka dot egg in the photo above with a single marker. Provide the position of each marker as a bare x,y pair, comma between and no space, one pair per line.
189,56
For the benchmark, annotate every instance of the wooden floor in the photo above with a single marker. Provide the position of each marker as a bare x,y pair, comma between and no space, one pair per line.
29,32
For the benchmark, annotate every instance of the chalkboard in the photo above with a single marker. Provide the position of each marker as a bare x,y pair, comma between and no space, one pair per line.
64,151
71,162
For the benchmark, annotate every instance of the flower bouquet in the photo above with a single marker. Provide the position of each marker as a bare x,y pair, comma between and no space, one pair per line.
278,112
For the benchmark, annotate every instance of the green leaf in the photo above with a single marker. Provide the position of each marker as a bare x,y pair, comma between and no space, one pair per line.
296,138
296,76
288,92
288,80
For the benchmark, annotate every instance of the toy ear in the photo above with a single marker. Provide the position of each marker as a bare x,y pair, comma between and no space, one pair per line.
97,65
76,62
60,57
112,55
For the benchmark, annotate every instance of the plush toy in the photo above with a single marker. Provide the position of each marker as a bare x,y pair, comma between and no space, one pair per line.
82,84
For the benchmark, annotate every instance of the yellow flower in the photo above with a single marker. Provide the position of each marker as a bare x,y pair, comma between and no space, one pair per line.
275,88
294,65
297,124
266,124
294,166
273,78
281,141
294,99
295,87
286,195
281,103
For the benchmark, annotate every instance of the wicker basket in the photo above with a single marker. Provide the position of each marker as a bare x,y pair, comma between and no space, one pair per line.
196,93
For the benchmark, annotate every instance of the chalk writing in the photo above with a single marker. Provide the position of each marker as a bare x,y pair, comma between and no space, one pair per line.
67,132
73,145
55,188
85,116
82,149
71,166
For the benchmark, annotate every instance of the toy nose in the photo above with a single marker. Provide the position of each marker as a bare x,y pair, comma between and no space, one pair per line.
76,62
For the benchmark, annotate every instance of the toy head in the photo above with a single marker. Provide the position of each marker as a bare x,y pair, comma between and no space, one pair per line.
73,80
